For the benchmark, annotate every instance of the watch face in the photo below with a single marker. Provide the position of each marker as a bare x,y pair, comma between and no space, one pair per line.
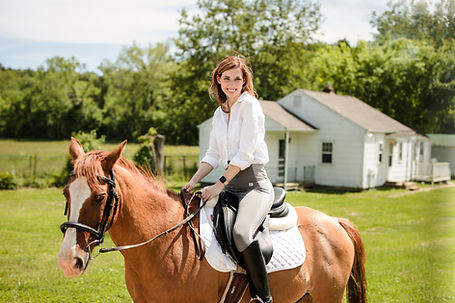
223,179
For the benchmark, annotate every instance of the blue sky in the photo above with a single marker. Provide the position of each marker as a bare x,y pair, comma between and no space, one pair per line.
93,30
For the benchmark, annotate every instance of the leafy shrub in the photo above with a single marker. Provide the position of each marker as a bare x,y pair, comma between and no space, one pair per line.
8,181
144,155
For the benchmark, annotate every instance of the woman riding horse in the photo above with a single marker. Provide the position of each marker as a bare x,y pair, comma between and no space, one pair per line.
237,141
168,269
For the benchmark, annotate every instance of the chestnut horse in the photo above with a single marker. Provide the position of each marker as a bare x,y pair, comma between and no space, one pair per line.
168,269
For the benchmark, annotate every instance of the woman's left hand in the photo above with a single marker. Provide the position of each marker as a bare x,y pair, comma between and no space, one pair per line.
212,191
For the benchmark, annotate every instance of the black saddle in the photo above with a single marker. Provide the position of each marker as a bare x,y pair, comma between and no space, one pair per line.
224,215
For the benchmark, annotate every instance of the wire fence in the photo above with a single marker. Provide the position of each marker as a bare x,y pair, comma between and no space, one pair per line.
31,165
174,166
180,167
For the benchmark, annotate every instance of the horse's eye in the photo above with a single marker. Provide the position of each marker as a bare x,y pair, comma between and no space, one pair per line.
100,198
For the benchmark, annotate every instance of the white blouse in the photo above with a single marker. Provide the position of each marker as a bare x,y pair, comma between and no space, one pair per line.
241,139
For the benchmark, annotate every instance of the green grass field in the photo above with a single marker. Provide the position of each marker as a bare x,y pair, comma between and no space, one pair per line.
42,159
409,240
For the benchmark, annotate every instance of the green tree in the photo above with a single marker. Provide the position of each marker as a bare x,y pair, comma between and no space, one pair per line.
408,80
137,91
432,24
51,102
272,34
416,20
13,87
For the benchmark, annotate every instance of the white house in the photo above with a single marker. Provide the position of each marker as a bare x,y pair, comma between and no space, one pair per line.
334,140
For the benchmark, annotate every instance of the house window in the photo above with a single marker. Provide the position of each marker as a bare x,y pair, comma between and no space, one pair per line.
327,151
421,151
390,154
281,148
281,153
400,152
380,152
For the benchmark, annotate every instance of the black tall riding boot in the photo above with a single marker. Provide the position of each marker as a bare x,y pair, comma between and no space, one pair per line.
257,274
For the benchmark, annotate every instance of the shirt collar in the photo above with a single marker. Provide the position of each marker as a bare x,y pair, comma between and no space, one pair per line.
241,98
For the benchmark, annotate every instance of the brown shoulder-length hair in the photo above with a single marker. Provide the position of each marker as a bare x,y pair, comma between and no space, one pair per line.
225,64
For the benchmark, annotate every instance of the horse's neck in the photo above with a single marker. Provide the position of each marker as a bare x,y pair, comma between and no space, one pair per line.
145,210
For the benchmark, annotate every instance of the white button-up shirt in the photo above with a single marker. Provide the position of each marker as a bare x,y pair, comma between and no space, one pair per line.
240,139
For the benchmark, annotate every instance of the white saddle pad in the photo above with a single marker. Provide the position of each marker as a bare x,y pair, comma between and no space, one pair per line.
288,247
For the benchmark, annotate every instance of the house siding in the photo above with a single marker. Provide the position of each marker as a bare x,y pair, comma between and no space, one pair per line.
274,132
272,140
346,137
355,148
374,172
445,154
401,169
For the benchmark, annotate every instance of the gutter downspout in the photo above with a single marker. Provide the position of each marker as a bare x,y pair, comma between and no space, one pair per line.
286,153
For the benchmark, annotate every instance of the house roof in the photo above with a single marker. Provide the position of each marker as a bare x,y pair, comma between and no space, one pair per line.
359,112
442,139
277,113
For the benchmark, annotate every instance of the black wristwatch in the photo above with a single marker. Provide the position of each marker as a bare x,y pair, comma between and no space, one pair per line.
224,180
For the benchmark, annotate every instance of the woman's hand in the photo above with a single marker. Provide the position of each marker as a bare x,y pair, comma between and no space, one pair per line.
189,186
212,191
203,170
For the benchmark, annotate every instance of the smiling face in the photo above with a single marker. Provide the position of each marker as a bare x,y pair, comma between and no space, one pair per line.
231,82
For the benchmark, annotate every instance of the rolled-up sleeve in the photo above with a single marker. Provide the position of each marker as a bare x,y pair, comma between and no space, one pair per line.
212,155
252,132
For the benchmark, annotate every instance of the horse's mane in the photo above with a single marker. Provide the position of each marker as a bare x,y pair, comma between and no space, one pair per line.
89,166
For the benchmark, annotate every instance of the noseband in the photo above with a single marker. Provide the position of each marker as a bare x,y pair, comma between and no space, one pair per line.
111,207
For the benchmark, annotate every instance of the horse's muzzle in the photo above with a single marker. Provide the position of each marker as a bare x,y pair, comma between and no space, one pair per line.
71,258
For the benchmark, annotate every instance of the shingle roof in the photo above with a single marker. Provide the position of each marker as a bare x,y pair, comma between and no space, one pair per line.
442,139
359,112
277,113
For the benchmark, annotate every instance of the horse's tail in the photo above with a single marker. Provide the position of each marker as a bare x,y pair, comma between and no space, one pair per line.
357,284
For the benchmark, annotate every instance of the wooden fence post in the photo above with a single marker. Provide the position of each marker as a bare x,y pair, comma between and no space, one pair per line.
158,143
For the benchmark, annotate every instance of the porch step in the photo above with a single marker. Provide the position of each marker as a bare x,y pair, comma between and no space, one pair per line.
411,186
290,185
406,185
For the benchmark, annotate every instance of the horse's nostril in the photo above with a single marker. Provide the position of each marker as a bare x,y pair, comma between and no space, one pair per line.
79,263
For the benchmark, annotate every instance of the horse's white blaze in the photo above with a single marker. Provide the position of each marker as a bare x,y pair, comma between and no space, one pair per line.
79,192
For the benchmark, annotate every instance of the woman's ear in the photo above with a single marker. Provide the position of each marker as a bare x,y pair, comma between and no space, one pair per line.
218,79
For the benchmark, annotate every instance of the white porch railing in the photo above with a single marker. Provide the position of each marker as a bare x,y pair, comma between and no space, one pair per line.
432,172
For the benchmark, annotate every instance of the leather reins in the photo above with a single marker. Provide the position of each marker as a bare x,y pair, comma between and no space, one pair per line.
110,205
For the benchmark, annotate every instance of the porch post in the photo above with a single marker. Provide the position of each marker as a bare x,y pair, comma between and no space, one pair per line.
286,147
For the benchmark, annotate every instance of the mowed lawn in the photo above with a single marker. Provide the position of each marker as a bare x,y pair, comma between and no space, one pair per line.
42,158
409,240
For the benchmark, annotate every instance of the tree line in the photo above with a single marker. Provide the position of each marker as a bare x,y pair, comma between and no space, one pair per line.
407,72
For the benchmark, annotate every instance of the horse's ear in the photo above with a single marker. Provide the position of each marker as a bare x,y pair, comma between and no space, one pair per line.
76,149
109,161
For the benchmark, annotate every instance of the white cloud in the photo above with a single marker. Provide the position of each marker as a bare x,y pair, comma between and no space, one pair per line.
149,21
90,21
91,30
349,19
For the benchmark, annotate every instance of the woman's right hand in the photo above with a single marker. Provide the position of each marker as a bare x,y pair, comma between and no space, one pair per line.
189,186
